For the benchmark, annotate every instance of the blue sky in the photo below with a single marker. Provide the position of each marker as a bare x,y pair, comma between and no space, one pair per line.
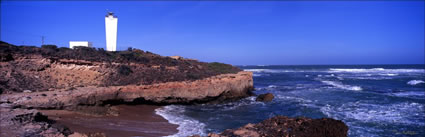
234,32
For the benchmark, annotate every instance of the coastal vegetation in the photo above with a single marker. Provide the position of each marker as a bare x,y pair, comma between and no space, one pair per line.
20,65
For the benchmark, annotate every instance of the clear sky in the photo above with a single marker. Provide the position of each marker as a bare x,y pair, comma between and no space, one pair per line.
234,32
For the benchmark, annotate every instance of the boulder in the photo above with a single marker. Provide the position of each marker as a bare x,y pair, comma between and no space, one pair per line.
265,97
29,122
281,126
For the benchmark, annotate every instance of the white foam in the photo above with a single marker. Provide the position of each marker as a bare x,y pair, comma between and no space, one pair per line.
296,99
236,104
375,70
264,70
272,86
366,112
342,86
187,126
388,74
409,93
367,78
379,71
301,101
415,82
280,70
256,75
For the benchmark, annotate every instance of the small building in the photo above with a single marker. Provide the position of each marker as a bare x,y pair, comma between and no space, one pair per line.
73,44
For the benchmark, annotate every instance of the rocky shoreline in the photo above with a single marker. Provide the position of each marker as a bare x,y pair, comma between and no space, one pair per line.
219,88
92,81
20,116
281,126
97,100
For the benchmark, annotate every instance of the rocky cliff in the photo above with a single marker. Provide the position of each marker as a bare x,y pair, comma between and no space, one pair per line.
33,69
91,80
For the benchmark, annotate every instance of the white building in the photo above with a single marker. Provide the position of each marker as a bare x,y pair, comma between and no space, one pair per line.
73,44
111,23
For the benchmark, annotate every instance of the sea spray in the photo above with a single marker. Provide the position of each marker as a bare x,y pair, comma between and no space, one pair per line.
187,126
415,82
342,86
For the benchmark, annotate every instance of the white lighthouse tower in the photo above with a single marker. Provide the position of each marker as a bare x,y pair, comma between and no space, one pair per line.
111,23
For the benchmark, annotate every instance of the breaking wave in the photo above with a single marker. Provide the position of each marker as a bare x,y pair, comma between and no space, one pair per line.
415,82
265,70
365,112
244,102
375,70
256,75
281,70
342,86
372,71
187,126
410,94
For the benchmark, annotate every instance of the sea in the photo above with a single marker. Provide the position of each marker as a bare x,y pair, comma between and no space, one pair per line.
373,100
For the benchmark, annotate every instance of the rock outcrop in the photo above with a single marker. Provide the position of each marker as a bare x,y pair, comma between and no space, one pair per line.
28,122
33,69
214,89
265,97
34,78
31,123
88,79
281,126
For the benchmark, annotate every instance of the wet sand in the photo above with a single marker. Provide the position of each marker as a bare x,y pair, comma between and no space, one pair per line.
137,120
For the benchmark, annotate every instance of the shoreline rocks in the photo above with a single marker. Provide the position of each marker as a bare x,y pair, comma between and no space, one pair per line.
265,97
281,126
29,122
216,89
22,107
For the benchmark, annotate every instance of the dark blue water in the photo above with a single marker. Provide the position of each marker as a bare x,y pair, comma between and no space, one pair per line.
373,100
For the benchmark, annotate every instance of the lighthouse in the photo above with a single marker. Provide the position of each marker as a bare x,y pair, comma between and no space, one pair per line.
111,23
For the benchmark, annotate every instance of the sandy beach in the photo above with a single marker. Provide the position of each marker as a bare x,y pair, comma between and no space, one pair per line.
134,120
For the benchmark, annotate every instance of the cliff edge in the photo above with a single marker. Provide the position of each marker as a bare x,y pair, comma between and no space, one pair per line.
92,80
34,69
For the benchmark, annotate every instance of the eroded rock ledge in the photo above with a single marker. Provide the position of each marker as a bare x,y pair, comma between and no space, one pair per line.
216,88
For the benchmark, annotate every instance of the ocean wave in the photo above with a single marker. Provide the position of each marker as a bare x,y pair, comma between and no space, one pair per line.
263,70
281,70
256,75
388,74
402,113
415,82
299,100
272,86
370,72
368,78
409,93
187,126
375,70
236,104
296,99
342,86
